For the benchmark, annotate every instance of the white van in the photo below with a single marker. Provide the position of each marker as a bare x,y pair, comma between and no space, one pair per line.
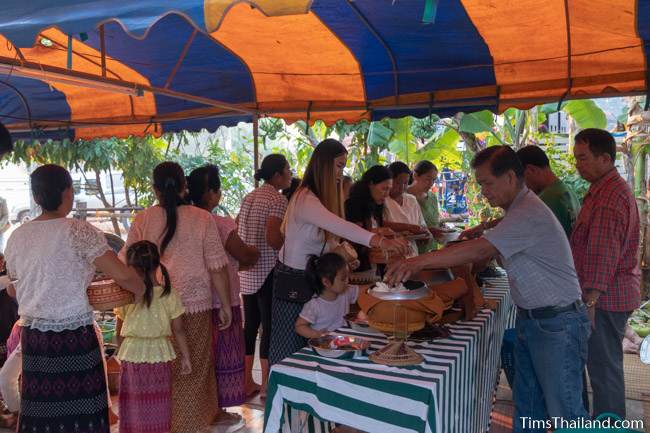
14,187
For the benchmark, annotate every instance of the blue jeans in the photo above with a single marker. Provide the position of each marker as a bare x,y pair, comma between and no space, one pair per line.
550,356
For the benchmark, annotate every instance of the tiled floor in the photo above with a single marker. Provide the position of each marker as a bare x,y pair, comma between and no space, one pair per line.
253,411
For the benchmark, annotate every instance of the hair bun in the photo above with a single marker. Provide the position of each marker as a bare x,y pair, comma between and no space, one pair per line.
259,175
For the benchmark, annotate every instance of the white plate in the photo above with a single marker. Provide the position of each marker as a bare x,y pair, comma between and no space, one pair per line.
644,352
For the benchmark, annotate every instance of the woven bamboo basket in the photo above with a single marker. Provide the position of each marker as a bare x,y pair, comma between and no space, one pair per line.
105,295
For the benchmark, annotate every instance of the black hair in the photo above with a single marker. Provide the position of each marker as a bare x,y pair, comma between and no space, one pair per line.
599,141
397,168
6,145
346,178
533,155
295,183
144,256
271,165
360,207
423,167
202,180
48,183
169,180
325,266
501,159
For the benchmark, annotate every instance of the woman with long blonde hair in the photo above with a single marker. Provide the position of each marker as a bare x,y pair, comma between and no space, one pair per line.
314,218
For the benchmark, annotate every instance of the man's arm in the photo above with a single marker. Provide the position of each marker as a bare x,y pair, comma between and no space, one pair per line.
456,255
606,234
602,254
476,232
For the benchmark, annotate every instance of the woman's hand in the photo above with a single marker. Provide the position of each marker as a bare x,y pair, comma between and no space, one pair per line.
221,289
186,365
225,318
384,231
397,245
417,230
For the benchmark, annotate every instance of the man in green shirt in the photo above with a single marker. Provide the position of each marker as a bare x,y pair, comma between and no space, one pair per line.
554,193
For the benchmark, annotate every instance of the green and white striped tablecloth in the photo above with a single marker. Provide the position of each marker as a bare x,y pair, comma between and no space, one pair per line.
451,391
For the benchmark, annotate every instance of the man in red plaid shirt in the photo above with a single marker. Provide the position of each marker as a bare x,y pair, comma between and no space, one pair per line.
605,242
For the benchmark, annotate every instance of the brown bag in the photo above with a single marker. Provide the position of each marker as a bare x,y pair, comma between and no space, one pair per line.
382,314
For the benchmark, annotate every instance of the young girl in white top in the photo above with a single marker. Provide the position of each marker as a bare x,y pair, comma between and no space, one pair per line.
328,275
313,220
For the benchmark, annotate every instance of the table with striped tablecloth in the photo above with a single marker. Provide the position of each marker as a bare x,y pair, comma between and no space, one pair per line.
451,391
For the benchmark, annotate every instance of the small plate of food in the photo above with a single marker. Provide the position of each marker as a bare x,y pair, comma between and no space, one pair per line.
339,346
448,235
418,236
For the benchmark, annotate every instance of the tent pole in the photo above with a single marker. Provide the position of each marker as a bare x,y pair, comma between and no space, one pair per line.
256,146
46,73
102,43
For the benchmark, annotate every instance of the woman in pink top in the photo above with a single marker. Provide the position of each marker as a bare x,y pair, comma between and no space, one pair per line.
191,250
314,217
227,345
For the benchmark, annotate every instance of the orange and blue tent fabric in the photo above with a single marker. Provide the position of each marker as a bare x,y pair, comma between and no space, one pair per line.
195,64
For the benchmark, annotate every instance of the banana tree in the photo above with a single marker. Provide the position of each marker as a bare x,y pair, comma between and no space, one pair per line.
412,140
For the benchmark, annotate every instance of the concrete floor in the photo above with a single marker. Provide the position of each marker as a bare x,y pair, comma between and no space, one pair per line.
504,409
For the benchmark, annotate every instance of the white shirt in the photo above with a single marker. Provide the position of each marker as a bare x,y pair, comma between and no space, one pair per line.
330,315
306,220
53,262
409,212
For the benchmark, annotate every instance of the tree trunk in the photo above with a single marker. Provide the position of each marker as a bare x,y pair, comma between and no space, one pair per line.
102,197
519,128
572,129
127,195
640,168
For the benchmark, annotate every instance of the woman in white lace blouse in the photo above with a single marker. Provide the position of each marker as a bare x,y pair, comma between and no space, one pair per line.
54,259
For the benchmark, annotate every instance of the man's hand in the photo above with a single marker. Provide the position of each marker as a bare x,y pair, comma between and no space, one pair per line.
401,270
473,233
591,312
591,297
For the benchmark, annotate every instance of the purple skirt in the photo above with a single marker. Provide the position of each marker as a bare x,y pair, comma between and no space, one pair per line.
228,349
145,397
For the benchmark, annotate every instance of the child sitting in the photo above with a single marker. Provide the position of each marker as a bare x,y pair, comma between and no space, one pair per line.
328,275
146,352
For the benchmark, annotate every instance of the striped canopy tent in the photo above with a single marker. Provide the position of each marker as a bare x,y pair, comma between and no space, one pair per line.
97,68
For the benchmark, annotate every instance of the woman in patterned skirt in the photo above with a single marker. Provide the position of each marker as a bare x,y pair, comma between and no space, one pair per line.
190,248
54,260
228,345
